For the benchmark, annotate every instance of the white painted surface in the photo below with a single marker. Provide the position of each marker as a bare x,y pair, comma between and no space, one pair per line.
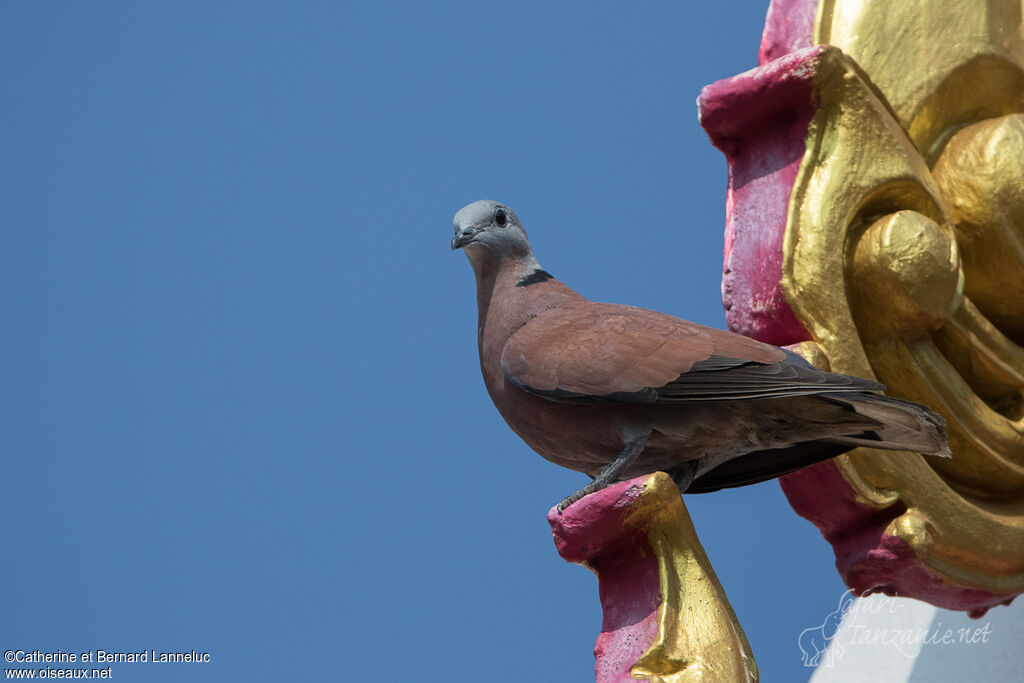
900,640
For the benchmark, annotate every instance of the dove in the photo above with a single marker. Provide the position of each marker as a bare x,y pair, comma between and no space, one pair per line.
616,392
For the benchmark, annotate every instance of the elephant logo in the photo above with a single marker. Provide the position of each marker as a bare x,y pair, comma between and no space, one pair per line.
814,642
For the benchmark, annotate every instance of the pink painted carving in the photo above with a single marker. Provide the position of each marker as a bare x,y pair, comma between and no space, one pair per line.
591,533
759,119
868,559
788,27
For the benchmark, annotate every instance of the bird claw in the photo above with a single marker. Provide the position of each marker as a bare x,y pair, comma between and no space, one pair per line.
572,498
566,502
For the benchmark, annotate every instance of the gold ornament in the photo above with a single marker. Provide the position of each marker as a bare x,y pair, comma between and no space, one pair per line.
904,258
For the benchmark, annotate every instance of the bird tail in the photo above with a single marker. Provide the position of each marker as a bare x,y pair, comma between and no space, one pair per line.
904,425
886,422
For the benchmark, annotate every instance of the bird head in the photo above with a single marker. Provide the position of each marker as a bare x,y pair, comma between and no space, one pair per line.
489,230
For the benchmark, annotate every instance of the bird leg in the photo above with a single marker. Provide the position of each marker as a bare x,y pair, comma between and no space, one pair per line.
611,472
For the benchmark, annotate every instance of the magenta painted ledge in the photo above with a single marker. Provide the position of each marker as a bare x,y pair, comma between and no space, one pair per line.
868,559
590,532
788,27
760,120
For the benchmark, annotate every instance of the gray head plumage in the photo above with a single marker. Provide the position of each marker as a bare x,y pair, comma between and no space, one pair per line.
489,226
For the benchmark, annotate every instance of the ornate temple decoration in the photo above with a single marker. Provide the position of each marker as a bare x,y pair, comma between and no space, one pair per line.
666,618
875,217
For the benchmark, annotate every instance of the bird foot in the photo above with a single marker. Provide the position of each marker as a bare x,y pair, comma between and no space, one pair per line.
611,473
592,487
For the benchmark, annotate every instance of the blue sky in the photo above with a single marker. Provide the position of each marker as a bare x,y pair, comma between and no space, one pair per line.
241,406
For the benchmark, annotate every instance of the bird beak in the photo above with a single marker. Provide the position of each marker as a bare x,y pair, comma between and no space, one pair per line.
463,237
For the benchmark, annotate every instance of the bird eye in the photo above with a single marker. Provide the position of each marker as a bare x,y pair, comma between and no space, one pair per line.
500,218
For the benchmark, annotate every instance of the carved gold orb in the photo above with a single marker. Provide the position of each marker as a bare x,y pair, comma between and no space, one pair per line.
906,271
981,173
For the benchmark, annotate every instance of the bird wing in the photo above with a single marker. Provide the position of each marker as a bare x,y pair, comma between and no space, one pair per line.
592,352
